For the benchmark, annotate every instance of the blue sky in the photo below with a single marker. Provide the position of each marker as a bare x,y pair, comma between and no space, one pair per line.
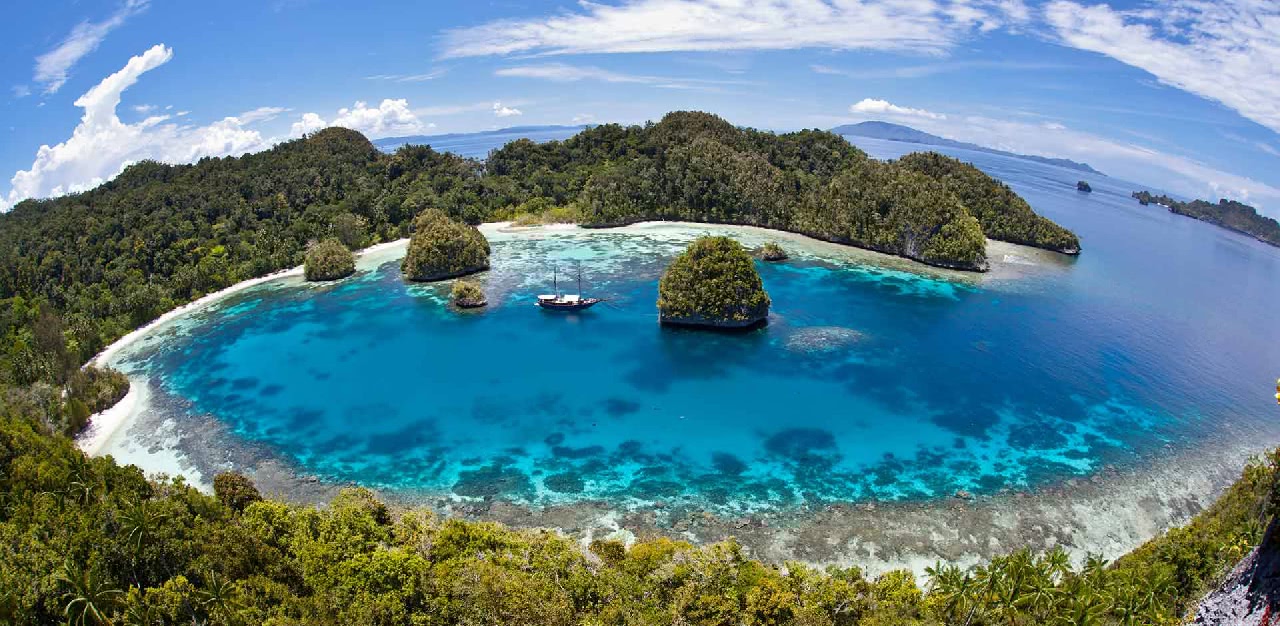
1183,95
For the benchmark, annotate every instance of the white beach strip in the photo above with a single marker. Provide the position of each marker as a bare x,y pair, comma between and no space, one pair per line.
105,424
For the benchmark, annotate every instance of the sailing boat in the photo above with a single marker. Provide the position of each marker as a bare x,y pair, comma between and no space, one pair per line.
566,302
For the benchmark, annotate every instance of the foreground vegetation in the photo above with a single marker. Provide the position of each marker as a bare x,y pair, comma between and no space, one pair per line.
1228,214
91,542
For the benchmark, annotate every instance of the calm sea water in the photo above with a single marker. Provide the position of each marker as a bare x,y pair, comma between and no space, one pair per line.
867,383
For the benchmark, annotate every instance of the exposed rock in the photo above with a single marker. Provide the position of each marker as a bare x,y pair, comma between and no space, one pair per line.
1250,596
1084,186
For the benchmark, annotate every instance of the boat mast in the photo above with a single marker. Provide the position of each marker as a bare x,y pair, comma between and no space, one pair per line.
555,280
579,278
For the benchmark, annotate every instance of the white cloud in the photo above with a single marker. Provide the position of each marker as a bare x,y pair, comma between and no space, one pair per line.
310,123
505,111
1226,51
929,26
388,119
583,118
53,67
873,106
20,91
101,145
143,108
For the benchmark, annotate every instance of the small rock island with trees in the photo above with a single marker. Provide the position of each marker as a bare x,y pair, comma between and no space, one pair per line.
713,284
328,260
442,247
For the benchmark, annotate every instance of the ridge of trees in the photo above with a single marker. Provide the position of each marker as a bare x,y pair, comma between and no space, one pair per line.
1227,214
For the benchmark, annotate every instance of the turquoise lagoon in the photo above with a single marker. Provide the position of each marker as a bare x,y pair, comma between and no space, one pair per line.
875,379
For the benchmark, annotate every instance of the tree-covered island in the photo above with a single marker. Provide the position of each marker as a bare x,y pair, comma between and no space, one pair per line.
443,247
328,260
1227,214
712,284
467,295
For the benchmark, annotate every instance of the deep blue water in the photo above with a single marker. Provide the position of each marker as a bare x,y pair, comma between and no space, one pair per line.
867,383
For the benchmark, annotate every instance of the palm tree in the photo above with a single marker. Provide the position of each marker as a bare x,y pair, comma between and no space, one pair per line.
82,484
139,521
89,598
219,596
1057,562
954,586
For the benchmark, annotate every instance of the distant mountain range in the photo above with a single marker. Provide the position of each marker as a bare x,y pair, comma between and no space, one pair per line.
898,132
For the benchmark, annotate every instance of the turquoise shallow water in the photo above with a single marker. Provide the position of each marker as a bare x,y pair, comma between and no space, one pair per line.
867,383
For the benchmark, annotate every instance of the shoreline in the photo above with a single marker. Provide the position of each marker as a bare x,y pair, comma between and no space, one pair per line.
103,426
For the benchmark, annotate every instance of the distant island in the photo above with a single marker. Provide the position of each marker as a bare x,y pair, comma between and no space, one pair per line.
1227,214
898,132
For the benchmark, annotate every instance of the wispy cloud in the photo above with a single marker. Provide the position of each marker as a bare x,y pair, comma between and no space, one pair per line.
1261,146
53,67
566,73
928,26
872,106
409,78
926,70
1226,51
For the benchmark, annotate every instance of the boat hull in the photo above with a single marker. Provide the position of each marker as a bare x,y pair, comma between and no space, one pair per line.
568,306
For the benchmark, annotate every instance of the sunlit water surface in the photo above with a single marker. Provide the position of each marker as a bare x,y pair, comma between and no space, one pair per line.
867,382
